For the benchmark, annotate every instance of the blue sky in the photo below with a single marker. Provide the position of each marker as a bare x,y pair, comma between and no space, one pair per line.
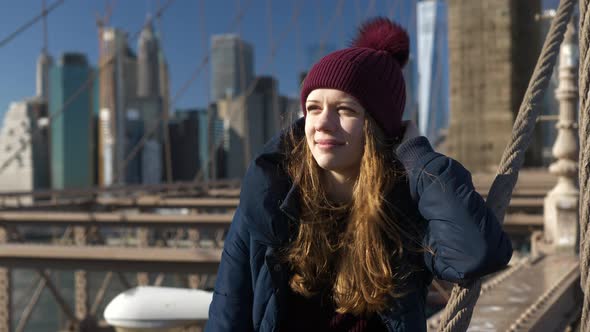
72,27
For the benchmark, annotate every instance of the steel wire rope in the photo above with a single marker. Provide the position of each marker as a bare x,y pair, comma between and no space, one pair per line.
459,309
30,23
584,159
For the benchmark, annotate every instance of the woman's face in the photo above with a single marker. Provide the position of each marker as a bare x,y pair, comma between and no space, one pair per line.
334,130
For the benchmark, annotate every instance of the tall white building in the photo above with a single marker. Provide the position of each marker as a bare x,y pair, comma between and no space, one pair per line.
118,87
433,72
24,147
134,93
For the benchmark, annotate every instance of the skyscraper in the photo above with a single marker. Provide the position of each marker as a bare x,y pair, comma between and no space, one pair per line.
213,162
248,122
149,103
232,66
265,120
148,82
204,146
148,110
44,62
118,87
134,129
72,164
433,72
185,132
24,146
132,91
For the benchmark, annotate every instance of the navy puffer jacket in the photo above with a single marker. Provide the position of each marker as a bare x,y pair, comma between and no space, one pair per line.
462,231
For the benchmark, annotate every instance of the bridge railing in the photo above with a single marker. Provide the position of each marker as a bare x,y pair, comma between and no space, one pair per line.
151,241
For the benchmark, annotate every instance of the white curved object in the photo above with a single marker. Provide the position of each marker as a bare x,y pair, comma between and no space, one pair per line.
158,307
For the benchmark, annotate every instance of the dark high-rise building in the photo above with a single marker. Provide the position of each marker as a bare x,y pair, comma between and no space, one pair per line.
265,119
39,131
232,66
217,144
249,121
72,164
493,48
134,130
204,146
185,131
144,114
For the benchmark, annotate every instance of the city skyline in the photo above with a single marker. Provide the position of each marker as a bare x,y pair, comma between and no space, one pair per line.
183,41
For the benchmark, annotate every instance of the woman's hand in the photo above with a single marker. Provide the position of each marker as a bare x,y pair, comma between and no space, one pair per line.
410,130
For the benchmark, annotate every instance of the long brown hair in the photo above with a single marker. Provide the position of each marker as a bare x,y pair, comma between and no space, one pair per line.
353,250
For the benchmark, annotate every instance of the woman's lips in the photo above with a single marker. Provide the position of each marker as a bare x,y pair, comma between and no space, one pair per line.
328,143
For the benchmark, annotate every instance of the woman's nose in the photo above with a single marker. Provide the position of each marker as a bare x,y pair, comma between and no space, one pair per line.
324,120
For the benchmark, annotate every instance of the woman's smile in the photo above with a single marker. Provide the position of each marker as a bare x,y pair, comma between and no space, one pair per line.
329,144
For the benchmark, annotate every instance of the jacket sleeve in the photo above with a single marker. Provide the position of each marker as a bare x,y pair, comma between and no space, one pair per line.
465,236
231,308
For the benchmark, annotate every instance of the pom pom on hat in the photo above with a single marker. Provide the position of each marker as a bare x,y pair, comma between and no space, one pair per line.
370,70
382,34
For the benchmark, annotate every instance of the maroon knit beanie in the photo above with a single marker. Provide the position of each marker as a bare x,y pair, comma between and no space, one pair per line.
370,70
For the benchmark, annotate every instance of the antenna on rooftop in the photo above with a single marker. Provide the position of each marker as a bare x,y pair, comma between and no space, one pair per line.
44,9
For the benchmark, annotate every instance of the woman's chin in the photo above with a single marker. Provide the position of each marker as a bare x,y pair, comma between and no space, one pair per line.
334,166
328,164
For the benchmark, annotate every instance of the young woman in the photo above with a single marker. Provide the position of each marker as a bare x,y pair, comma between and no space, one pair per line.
345,218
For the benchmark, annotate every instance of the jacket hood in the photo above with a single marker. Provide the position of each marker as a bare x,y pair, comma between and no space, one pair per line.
269,200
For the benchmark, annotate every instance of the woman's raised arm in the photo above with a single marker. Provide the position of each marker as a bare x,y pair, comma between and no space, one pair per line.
464,234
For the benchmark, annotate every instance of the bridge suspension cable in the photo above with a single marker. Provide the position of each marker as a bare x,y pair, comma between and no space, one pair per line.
30,23
584,168
459,309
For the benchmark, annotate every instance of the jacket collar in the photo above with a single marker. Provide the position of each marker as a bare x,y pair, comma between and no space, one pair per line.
291,204
283,190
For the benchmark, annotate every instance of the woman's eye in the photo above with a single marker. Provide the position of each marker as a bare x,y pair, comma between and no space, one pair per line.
347,111
312,108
